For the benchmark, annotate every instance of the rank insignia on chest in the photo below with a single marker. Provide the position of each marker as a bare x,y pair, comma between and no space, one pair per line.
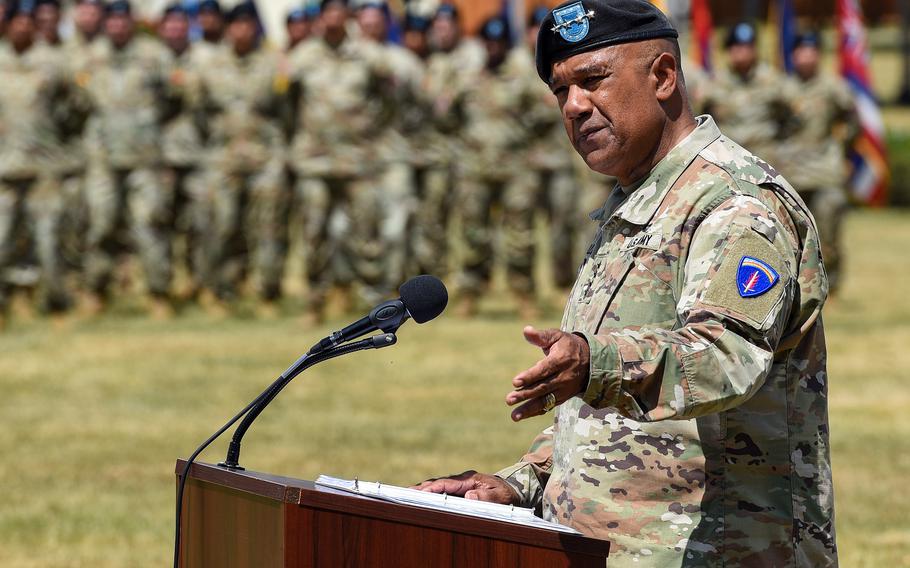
573,22
755,277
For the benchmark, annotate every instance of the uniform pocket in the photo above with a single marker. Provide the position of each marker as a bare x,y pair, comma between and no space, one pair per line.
643,298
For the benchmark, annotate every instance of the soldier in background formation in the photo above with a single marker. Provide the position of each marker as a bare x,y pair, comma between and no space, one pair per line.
802,124
814,155
196,156
42,115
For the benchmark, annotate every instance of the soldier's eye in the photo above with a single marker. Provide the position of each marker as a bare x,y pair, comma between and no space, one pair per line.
591,83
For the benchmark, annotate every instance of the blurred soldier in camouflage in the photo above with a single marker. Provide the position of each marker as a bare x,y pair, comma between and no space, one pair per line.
495,172
397,151
42,114
211,22
126,76
299,25
689,379
552,158
183,148
47,21
452,64
415,37
814,158
342,102
751,101
244,92
87,19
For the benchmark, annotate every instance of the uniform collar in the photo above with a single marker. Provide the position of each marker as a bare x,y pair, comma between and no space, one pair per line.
646,196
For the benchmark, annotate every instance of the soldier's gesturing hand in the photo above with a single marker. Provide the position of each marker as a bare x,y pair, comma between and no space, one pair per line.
560,375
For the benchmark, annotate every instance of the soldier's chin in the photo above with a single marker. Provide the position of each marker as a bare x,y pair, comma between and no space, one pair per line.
601,161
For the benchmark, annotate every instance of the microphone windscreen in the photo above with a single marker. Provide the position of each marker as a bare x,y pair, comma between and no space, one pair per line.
425,297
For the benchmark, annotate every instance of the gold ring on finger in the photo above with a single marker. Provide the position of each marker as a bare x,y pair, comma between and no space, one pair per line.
549,402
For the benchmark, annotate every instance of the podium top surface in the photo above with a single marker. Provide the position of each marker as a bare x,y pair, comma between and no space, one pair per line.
307,494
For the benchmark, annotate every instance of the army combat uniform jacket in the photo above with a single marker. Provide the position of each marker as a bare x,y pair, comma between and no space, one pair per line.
702,437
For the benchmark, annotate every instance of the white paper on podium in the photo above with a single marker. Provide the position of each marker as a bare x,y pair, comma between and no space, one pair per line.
446,503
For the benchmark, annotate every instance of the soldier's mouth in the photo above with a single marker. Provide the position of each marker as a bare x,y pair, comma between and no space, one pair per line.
588,136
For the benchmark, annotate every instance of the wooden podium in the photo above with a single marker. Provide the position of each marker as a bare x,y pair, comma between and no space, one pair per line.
256,520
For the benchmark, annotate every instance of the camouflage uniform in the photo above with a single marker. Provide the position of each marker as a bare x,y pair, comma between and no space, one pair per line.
397,195
551,157
124,187
438,133
75,221
702,436
494,171
814,158
343,108
755,111
243,97
42,114
183,150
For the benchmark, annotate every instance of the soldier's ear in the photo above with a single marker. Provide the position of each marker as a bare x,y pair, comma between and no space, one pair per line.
665,73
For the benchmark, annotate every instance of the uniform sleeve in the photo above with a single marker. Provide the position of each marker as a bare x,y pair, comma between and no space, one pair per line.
529,476
738,288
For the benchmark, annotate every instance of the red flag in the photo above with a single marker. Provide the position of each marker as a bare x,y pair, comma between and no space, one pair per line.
870,177
702,30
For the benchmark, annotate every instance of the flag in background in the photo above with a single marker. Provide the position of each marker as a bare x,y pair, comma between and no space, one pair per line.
662,4
869,178
787,29
702,31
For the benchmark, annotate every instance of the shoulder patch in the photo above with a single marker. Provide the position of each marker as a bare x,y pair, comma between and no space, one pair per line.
755,277
747,285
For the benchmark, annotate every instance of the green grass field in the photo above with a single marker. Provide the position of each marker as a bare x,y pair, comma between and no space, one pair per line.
94,417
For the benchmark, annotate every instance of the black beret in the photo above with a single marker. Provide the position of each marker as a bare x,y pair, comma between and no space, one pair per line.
297,15
495,29
413,22
449,11
99,3
20,8
579,26
54,3
378,4
175,9
210,6
119,7
324,3
808,39
243,10
742,33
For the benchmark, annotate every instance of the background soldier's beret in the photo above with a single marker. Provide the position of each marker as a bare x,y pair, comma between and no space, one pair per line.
20,8
243,10
808,39
413,22
495,29
297,15
538,16
325,3
174,9
579,26
54,3
95,2
119,7
447,11
364,4
742,33
210,6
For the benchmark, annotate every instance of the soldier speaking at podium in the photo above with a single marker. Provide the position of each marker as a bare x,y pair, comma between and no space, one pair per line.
688,379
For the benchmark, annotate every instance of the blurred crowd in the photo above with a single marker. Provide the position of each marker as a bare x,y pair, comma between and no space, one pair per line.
120,147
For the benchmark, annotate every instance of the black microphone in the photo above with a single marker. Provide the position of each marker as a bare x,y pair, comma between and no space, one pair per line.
423,298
